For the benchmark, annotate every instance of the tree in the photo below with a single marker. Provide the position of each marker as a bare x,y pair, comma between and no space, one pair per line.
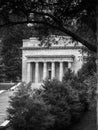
89,68
65,103
56,105
75,18
11,51
2,74
85,82
29,111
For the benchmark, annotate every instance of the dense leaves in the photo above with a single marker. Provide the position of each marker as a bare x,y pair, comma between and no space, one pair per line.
72,17
28,111
56,105
11,51
65,102
89,68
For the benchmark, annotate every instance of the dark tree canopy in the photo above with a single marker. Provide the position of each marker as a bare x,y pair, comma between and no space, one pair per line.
11,51
76,18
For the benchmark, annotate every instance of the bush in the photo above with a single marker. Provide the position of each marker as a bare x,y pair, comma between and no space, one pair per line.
29,111
65,102
55,94
91,86
55,106
86,88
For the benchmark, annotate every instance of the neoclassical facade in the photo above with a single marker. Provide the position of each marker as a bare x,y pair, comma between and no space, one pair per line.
40,62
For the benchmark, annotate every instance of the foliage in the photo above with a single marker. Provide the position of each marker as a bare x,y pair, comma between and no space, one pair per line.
89,67
2,74
87,81
56,105
76,18
86,87
28,111
11,50
65,102
91,86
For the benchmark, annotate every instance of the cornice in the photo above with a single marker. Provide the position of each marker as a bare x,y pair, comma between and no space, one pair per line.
50,48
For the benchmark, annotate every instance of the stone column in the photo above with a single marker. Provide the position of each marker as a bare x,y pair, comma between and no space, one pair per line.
28,72
53,70
36,71
61,71
69,65
44,70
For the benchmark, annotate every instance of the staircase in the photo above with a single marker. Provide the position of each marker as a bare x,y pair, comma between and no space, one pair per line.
4,103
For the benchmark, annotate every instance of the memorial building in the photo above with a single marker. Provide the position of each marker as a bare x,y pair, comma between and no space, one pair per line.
40,62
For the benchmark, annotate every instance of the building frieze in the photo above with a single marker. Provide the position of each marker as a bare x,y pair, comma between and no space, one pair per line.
50,56
42,58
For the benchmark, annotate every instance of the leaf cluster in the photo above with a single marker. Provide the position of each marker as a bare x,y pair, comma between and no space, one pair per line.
67,16
28,111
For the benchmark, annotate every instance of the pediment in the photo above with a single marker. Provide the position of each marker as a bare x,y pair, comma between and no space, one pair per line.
51,41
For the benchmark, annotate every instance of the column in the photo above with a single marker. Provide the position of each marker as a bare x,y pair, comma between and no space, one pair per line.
28,72
69,65
61,71
36,72
24,69
44,70
53,70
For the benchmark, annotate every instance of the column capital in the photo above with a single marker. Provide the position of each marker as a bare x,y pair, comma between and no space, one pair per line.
51,61
36,61
61,61
44,61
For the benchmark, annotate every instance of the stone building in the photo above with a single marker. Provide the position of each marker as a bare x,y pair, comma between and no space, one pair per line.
40,62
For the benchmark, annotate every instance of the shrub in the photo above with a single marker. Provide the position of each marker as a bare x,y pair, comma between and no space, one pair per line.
56,94
86,87
29,111
65,102
56,105
91,86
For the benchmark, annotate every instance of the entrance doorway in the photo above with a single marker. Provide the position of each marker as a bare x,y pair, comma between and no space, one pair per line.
49,74
49,70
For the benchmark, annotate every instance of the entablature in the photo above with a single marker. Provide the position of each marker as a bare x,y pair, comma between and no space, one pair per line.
42,58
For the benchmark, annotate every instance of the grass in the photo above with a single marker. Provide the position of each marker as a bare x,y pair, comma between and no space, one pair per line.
5,86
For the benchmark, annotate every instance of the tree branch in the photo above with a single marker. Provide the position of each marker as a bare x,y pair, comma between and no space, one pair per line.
47,14
89,45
